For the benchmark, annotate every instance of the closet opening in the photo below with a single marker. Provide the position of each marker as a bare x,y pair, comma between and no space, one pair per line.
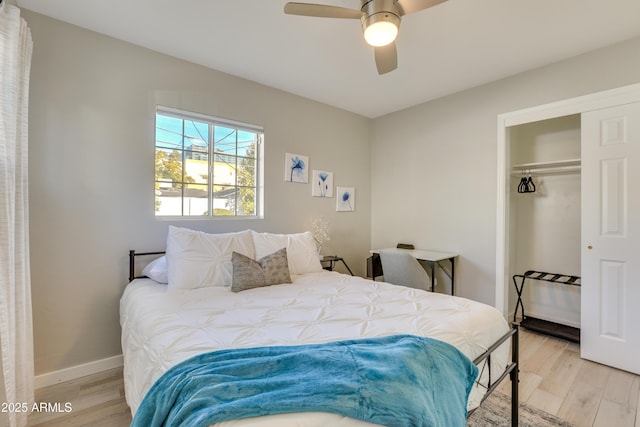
545,225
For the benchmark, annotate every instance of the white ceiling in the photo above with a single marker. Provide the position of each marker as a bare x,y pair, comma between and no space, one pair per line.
450,47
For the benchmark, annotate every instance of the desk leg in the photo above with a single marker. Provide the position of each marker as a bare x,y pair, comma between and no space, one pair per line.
452,277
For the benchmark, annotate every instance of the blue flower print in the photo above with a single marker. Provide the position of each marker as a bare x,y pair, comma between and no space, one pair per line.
322,184
346,198
297,166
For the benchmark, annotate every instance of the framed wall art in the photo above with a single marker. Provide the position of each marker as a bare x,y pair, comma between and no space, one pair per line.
322,184
345,199
296,168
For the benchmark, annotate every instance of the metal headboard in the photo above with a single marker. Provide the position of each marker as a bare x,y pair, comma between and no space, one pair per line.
132,261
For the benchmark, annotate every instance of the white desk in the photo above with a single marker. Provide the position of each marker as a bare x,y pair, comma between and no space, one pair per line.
432,258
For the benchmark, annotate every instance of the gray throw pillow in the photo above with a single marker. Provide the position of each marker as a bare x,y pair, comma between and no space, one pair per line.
270,270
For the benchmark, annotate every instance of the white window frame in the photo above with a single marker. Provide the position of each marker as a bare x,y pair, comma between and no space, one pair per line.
215,121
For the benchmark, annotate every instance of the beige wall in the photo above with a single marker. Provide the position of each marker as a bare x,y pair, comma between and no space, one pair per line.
434,165
91,175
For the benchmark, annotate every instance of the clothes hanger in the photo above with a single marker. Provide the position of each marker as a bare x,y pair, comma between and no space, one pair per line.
526,183
522,187
531,187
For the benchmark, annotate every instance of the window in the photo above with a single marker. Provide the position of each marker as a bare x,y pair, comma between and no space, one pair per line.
206,167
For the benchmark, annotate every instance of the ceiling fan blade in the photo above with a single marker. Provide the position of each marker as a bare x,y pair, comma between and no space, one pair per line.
321,10
410,6
386,58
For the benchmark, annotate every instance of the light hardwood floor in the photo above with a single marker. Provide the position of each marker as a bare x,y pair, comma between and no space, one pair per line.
552,378
96,400
555,379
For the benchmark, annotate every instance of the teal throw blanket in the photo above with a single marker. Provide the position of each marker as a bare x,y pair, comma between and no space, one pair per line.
395,381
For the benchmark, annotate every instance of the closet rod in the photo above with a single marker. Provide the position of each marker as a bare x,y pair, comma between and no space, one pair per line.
545,170
556,166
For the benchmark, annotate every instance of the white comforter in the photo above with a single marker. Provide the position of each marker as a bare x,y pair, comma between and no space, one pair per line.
161,329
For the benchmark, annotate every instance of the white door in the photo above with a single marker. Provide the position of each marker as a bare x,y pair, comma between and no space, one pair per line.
610,263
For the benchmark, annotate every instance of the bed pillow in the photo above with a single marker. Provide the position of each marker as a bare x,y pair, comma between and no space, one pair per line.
196,259
302,250
272,269
157,270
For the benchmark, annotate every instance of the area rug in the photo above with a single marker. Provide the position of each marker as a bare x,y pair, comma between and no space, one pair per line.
496,411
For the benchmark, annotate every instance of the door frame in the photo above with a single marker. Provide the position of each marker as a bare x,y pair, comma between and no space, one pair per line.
567,107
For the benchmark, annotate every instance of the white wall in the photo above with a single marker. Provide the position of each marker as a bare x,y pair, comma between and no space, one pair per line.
434,165
91,155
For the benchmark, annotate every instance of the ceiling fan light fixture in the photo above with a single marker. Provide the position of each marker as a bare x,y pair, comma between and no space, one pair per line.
380,29
380,23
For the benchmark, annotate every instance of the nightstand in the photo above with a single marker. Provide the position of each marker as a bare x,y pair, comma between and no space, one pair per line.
329,262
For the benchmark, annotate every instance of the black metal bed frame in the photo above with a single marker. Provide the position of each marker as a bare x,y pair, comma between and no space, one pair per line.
511,370
132,262
485,358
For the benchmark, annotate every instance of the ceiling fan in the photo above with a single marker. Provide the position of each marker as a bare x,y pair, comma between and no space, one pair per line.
380,22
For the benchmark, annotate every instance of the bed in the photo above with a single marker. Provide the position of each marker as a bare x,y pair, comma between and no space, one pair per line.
164,327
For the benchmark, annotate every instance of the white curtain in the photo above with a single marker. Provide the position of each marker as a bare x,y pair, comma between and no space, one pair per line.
16,325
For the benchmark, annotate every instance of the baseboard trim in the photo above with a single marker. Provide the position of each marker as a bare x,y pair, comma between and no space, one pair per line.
79,371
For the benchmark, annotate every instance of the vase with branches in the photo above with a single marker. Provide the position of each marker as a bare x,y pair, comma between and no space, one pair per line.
320,231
